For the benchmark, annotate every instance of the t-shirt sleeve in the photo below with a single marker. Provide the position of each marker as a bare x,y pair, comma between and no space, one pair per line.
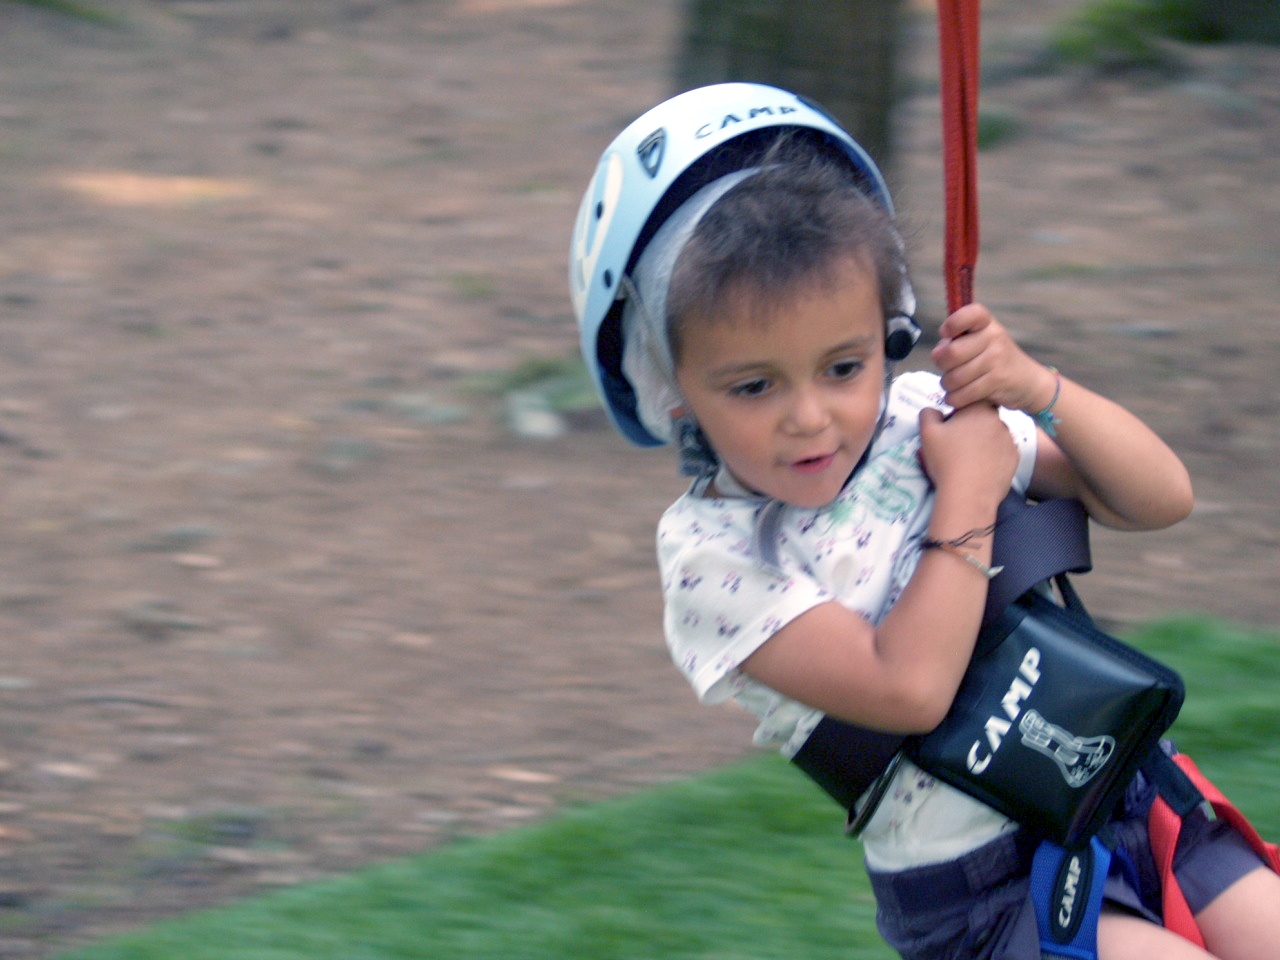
721,603
1023,430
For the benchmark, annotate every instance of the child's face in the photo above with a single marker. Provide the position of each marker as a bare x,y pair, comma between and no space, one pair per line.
791,403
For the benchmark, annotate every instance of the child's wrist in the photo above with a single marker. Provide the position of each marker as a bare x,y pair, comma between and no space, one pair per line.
1044,413
958,507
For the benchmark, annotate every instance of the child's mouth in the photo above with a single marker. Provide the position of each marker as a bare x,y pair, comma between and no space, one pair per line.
814,464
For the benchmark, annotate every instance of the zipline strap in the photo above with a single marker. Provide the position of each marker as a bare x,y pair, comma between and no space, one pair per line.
958,46
1035,542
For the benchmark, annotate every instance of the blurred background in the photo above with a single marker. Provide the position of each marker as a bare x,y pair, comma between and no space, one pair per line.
314,548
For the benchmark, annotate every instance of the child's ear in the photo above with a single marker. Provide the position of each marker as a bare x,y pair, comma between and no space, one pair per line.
678,412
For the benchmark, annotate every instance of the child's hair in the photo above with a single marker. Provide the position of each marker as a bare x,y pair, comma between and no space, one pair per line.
791,223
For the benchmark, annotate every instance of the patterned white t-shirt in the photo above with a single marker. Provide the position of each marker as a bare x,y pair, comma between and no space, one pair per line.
732,578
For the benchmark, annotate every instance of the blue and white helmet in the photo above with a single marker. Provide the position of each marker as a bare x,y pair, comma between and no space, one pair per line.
649,171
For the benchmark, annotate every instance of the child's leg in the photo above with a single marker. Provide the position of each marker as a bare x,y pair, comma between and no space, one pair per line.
1240,924
1123,936
1243,922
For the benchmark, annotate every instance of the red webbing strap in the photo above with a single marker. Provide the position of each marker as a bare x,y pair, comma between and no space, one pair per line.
958,45
1165,826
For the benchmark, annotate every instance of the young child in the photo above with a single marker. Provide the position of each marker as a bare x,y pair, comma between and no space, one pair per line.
742,292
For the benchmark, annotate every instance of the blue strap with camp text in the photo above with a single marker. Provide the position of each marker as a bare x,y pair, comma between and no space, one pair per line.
1066,888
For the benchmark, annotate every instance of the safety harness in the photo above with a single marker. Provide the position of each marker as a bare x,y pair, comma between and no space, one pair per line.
855,765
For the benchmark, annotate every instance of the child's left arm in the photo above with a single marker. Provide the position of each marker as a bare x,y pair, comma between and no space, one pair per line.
1101,454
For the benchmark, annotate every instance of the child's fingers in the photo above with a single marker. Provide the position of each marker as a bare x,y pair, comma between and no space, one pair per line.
968,319
930,417
953,352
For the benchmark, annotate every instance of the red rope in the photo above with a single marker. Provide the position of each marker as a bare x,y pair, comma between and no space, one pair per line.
958,44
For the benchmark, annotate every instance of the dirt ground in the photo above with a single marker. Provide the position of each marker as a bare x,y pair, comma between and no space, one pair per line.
280,596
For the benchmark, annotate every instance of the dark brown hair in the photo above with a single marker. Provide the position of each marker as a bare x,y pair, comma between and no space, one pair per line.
791,224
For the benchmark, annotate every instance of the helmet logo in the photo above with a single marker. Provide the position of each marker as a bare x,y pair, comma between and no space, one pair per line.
651,150
729,119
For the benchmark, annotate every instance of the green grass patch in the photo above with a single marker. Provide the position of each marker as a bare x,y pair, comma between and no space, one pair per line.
1231,720
1066,271
473,286
748,861
563,383
74,8
996,125
745,862
1132,34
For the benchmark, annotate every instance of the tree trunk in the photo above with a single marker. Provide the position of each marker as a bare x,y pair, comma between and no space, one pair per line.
840,53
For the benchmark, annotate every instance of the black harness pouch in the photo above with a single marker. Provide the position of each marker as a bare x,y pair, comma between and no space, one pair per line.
1053,717
1052,720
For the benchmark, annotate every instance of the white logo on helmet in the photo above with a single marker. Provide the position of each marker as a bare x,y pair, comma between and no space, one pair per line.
598,208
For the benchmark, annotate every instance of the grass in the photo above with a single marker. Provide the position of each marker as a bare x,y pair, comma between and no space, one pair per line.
73,8
745,862
996,126
473,286
1132,34
562,382
1231,719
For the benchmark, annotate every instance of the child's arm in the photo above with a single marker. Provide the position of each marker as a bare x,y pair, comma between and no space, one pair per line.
903,675
1102,455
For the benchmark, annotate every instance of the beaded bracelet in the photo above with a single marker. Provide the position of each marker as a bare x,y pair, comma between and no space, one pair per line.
1046,418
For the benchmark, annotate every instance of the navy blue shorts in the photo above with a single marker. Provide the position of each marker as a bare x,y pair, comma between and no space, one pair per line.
979,907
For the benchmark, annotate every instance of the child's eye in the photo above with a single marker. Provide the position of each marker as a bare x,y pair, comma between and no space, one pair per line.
749,388
845,369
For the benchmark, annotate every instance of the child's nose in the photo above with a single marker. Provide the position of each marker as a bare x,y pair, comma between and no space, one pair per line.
808,413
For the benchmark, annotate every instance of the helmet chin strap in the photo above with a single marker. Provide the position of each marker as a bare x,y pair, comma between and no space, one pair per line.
696,455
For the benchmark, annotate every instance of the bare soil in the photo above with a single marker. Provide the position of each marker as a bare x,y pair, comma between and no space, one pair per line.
281,596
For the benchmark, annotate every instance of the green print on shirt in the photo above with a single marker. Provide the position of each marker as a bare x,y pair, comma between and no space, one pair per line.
888,488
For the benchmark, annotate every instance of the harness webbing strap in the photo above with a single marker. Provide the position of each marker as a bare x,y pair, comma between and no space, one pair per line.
1035,542
958,46
1067,891
1165,826
845,760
